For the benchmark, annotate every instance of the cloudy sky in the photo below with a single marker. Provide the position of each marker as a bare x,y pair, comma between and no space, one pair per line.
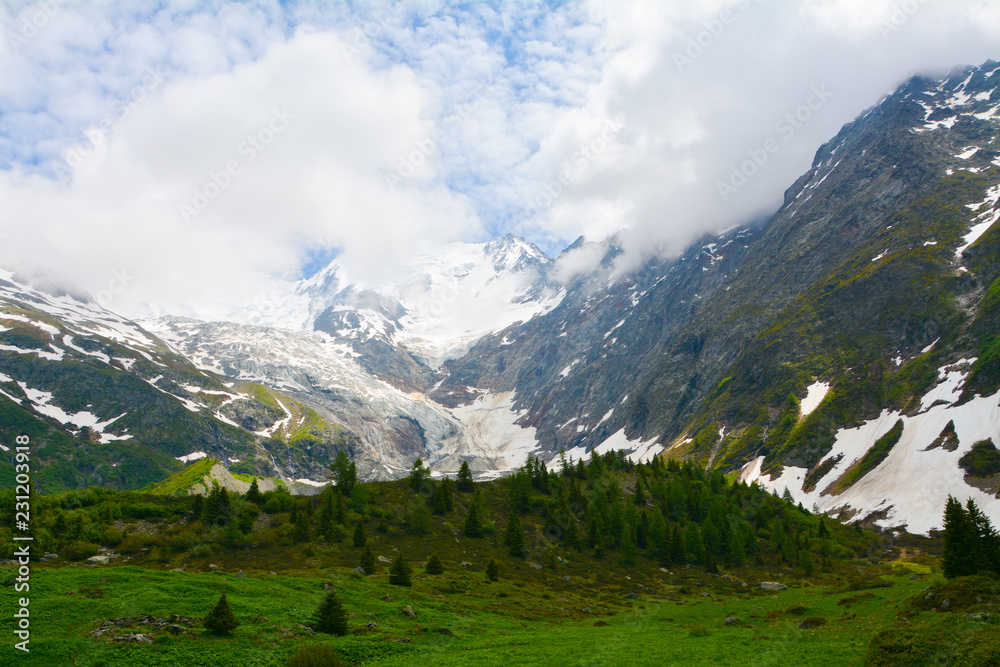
191,152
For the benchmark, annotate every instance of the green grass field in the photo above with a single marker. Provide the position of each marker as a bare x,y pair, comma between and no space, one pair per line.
513,621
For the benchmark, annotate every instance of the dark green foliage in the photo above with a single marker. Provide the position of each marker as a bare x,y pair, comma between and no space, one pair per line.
434,565
983,460
971,544
345,473
303,531
360,539
442,500
473,525
465,482
367,561
220,619
419,475
399,574
316,655
253,493
492,571
330,618
514,536
79,550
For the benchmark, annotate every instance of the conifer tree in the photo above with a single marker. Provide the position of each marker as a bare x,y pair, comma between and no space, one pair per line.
434,565
253,493
399,574
678,552
572,534
514,536
465,482
360,539
419,474
492,571
330,617
473,525
628,548
368,561
220,619
345,473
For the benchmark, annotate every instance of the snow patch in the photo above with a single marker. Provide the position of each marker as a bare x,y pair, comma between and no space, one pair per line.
193,456
815,393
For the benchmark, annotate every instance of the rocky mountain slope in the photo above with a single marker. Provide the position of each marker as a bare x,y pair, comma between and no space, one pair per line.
845,348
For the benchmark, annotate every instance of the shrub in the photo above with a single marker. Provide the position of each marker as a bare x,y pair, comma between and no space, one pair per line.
315,655
796,610
492,571
79,550
698,630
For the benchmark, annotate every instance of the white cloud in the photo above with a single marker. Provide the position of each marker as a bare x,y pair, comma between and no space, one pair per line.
485,108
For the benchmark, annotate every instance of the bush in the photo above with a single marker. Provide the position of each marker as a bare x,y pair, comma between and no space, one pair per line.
315,655
136,542
492,571
698,630
796,610
80,550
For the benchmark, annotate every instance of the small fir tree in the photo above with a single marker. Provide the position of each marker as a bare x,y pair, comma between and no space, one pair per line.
220,619
492,571
368,561
473,526
514,536
360,539
253,493
330,618
399,575
434,565
465,482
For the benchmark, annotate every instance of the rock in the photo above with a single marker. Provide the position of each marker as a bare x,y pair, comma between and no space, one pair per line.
587,610
914,577
175,629
360,570
772,586
386,598
327,586
566,578
383,559
177,569
534,566
946,604
98,560
731,620
408,612
351,614
600,623
631,596
664,570
239,575
273,573
465,563
213,567
371,625
47,557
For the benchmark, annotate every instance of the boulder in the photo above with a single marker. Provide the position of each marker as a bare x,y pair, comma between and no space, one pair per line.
47,557
772,586
371,625
534,566
360,570
383,559
731,620
631,596
408,612
98,560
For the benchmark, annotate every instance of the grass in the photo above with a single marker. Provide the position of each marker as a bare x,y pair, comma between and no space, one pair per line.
183,480
513,621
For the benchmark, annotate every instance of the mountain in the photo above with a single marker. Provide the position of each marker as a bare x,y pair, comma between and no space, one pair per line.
789,349
845,348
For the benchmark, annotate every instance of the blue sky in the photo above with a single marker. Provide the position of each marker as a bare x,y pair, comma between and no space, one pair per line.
212,148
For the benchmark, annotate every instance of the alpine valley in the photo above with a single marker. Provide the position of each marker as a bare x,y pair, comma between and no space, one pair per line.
847,348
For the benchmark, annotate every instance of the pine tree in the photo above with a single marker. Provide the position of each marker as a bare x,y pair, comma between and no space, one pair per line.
678,552
360,539
434,565
368,561
492,571
399,574
197,507
330,618
572,535
823,531
345,473
959,541
806,562
253,493
640,498
220,619
465,481
986,549
514,536
628,548
473,526
419,475
303,532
